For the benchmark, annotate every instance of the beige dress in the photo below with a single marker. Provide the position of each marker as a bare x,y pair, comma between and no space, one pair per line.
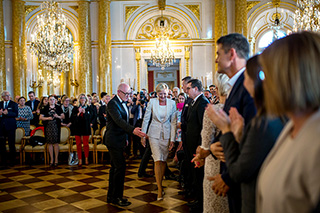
289,179
212,203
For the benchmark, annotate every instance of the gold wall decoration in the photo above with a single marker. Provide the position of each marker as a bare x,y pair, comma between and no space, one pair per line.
129,10
195,9
173,28
85,67
74,8
30,8
251,4
138,59
105,54
18,30
241,17
276,3
220,24
187,57
2,52
162,4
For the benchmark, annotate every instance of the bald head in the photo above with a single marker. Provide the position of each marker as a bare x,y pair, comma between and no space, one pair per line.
124,91
123,87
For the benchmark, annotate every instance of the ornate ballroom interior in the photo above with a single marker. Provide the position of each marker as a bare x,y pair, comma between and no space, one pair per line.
113,41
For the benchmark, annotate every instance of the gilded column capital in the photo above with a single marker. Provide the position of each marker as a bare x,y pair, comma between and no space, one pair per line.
3,77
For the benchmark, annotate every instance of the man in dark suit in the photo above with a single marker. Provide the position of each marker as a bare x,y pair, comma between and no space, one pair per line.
193,140
8,126
232,54
33,104
116,139
102,111
185,172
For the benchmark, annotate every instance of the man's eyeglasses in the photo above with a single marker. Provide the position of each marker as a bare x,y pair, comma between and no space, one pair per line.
126,94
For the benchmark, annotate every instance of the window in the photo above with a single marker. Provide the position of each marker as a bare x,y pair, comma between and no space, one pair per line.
267,38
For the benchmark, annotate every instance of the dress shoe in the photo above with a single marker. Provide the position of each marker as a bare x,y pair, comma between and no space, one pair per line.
146,175
121,202
109,199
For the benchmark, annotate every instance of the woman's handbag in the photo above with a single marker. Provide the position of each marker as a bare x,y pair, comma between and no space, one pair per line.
73,159
36,140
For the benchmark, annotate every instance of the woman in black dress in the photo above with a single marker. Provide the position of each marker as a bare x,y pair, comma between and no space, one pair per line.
51,116
82,117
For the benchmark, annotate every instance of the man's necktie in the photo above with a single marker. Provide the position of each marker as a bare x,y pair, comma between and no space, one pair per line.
6,105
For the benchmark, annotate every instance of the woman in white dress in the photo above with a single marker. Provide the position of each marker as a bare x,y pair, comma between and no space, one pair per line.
160,110
212,203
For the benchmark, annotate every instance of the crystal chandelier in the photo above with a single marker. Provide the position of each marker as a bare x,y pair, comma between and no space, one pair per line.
52,42
276,25
162,56
307,16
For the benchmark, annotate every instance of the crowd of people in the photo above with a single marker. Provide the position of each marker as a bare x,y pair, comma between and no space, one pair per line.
248,144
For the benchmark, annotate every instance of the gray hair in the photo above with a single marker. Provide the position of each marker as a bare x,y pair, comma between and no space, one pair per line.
4,92
222,84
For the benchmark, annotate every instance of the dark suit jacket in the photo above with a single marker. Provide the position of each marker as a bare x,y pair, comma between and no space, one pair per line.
35,120
194,123
94,117
240,99
136,111
117,126
245,159
102,119
8,122
184,114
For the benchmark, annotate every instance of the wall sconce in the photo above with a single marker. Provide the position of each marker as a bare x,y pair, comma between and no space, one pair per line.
74,82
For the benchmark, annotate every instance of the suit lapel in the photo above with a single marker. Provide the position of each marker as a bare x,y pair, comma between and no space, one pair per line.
122,109
232,93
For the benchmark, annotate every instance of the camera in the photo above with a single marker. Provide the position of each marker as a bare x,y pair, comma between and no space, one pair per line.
142,96
142,102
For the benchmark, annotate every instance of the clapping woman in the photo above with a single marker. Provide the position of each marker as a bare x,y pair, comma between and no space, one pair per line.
246,150
51,116
24,115
81,119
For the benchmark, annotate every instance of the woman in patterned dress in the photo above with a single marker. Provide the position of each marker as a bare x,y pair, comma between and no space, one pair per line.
51,116
24,115
212,203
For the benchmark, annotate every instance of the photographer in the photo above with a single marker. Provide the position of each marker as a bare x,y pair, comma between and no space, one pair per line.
138,110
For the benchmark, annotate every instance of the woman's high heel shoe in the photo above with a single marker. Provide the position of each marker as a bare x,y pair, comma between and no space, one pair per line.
161,198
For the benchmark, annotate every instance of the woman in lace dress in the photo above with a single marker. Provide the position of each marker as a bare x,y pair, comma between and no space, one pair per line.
24,115
212,203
